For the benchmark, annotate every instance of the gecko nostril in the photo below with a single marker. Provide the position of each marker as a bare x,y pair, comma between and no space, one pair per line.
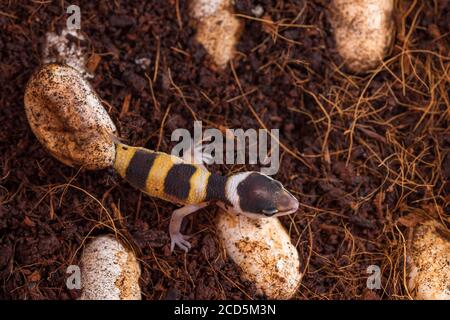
288,202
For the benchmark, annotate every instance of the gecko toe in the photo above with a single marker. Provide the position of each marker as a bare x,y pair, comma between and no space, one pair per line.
180,241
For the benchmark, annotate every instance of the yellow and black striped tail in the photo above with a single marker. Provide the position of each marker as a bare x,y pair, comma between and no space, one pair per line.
167,177
134,164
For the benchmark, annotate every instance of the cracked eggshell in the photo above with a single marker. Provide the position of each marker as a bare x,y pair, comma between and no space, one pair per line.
58,49
363,31
109,271
218,30
68,118
429,262
263,250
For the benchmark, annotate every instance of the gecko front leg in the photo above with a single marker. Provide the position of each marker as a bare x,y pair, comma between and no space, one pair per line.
176,238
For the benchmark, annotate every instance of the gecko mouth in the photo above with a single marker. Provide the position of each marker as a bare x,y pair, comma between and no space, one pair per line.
281,213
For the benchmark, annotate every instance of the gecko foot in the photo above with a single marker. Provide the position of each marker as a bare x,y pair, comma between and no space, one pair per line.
181,241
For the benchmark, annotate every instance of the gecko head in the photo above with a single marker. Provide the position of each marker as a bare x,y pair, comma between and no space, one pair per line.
257,195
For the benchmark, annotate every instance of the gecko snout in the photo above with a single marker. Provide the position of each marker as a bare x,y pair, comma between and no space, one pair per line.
286,203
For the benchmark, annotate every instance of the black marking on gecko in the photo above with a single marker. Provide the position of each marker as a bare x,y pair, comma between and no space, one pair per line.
216,188
139,168
255,194
177,181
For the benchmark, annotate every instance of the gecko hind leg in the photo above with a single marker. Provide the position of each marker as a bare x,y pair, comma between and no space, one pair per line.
176,238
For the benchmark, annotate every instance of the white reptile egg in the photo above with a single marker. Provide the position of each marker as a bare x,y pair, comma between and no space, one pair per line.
68,118
218,30
429,263
263,250
363,31
109,271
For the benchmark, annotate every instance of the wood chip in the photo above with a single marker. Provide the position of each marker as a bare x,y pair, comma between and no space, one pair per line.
92,63
125,105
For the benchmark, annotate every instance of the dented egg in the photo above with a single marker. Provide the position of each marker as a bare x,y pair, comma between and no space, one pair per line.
263,250
109,271
68,118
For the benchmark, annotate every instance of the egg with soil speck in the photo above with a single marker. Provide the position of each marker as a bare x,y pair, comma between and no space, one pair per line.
67,117
263,250
109,271
429,262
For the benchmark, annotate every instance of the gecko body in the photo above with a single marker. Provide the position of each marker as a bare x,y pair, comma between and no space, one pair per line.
179,181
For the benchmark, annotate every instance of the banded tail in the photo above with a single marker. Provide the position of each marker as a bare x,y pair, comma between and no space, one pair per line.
168,177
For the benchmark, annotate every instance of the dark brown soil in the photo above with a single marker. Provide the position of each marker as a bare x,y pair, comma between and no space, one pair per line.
360,151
